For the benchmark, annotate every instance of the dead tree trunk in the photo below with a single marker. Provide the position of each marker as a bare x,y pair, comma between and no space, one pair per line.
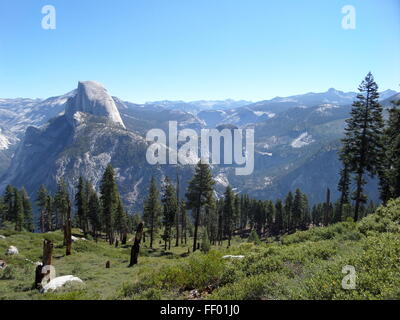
123,238
68,232
46,261
136,245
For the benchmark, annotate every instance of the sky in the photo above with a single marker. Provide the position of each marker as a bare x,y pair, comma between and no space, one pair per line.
148,50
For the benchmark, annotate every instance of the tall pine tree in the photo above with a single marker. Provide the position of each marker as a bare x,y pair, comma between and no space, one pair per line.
152,210
363,138
200,192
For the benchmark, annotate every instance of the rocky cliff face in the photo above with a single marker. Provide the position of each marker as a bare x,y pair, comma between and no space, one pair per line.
92,98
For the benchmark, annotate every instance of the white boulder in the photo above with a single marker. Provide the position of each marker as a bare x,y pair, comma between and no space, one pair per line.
59,282
73,238
12,251
232,257
2,237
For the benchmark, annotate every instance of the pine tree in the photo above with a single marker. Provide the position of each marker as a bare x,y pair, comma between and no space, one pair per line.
81,202
327,209
344,183
288,212
27,207
270,210
121,220
183,215
170,209
389,173
49,214
94,213
2,211
306,217
228,212
18,210
178,212
244,211
200,191
363,138
61,203
109,201
279,225
152,209
41,202
9,202
298,209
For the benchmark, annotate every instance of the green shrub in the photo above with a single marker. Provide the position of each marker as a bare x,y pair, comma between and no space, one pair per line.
253,237
385,219
205,243
8,273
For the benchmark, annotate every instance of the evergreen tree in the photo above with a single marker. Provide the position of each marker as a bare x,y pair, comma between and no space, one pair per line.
279,225
27,208
9,203
200,192
270,210
49,214
121,220
184,221
151,214
363,138
306,216
95,213
2,212
228,212
327,209
288,211
344,183
18,211
389,173
41,202
297,212
109,201
61,203
170,209
81,202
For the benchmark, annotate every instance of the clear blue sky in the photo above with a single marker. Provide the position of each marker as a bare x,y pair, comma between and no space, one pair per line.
144,50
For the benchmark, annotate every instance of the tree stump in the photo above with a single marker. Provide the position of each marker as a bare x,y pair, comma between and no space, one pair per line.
108,265
46,261
136,245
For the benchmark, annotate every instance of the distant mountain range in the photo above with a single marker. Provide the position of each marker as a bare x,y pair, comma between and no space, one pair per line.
79,133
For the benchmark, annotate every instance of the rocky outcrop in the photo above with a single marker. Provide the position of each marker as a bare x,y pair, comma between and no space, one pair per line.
60,282
11,251
92,98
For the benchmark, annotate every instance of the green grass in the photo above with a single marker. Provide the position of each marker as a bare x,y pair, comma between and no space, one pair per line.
304,265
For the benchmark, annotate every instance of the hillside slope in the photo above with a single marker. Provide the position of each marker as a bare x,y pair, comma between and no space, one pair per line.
304,265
